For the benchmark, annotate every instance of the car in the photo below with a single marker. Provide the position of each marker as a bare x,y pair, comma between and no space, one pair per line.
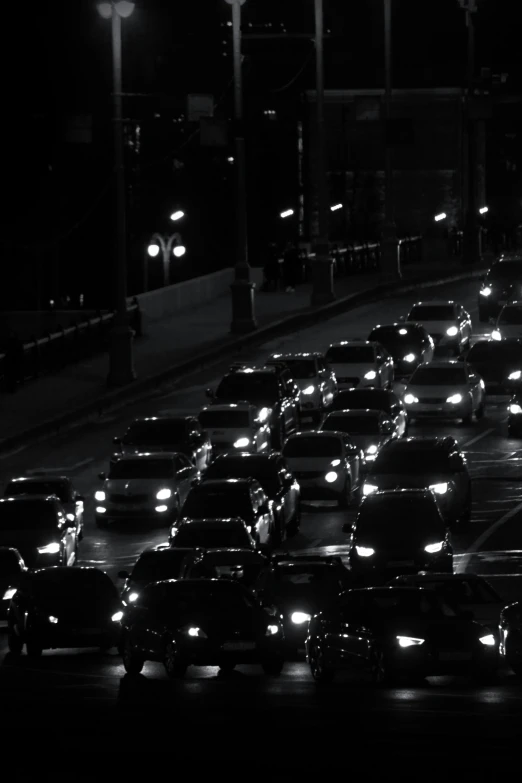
510,630
242,565
360,363
327,465
236,426
12,568
212,534
426,463
515,416
148,487
370,430
445,390
373,399
398,632
173,434
200,622
508,325
236,497
264,387
44,484
409,345
63,607
498,364
298,586
399,531
275,477
316,380
447,322
468,592
153,565
37,526
501,284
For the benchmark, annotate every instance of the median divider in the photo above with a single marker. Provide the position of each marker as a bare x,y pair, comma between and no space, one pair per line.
151,385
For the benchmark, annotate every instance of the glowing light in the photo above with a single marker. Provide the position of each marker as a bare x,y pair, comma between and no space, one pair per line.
153,250
117,617
515,409
368,489
409,641
50,549
53,619
409,399
99,495
241,443
495,335
179,251
403,331
452,331
9,593
433,548
365,551
370,375
298,618
287,213
371,450
410,357
272,630
336,207
335,462
161,509
439,489
442,216
488,640
330,477
133,597
164,494
454,399
514,376
483,210
309,390
177,215
486,291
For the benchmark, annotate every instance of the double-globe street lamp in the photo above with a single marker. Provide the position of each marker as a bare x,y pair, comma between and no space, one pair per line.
168,246
121,365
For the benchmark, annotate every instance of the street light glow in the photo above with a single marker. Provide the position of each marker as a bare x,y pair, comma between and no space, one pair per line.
287,213
336,207
442,216
179,251
177,215
153,250
124,8
230,159
483,210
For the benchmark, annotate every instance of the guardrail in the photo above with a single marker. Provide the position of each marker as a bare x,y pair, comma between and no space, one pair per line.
55,350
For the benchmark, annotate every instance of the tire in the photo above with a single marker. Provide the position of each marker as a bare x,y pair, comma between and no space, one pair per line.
273,666
15,642
379,670
175,668
479,413
34,650
514,654
321,672
345,499
132,663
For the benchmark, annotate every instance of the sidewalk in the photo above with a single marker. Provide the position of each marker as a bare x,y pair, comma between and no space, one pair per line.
171,342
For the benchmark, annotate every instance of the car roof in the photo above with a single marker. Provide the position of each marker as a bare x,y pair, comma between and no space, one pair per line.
356,342
400,492
65,572
441,577
260,456
144,455
246,369
373,390
30,499
495,344
295,355
398,325
356,413
228,406
211,522
441,364
219,482
291,559
317,433
434,303
387,590
163,419
225,554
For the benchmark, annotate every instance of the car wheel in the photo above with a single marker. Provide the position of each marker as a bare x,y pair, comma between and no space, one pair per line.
479,413
34,650
379,669
132,662
15,642
174,666
345,498
273,666
321,672
293,527
514,653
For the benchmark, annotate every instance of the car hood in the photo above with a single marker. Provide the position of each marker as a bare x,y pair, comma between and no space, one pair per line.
225,625
438,327
310,463
490,370
136,486
82,614
450,631
364,441
438,390
351,369
408,481
152,448
228,434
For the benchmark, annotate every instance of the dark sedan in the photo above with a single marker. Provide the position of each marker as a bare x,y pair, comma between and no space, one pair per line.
398,632
200,622
499,364
153,565
408,343
383,400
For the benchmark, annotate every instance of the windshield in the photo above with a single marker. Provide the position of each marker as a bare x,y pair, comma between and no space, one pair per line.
350,354
263,471
245,573
497,352
397,339
254,387
209,598
212,537
506,270
356,425
155,432
301,368
390,519
80,585
141,469
9,564
233,418
463,592
439,376
231,500
511,315
363,400
307,447
411,604
432,313
307,580
155,566
411,461
27,515
60,488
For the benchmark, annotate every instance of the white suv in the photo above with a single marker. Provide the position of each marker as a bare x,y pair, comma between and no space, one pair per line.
360,363
447,323
236,427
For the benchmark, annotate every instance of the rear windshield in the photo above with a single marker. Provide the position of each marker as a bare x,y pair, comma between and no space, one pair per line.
511,315
254,387
27,515
356,425
155,432
350,354
77,586
439,376
209,537
221,598
383,520
462,592
308,580
495,352
506,270
228,500
312,447
301,368
262,470
411,604
411,461
432,313
61,489
232,418
141,469
375,399
155,566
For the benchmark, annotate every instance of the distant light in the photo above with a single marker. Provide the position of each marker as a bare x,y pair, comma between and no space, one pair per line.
442,216
230,159
179,251
229,24
483,210
153,250
336,207
105,10
287,213
177,215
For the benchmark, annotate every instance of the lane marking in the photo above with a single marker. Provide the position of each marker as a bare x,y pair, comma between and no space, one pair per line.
67,469
475,547
477,438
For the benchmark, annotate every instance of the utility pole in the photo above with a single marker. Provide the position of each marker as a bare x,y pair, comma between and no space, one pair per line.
390,267
471,244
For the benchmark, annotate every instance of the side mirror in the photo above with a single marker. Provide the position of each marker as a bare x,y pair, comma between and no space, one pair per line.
123,575
209,393
116,441
102,476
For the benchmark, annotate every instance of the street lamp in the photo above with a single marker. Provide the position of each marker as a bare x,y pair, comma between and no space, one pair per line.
243,318
390,249
287,213
167,245
177,215
121,365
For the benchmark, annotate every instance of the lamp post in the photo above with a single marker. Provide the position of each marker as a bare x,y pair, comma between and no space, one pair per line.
322,265
168,245
389,247
121,365
471,244
243,317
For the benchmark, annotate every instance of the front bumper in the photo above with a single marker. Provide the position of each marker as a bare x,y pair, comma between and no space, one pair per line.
52,637
320,489
207,652
431,661
383,570
443,410
140,513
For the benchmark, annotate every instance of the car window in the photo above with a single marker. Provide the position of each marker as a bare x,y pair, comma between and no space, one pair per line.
182,462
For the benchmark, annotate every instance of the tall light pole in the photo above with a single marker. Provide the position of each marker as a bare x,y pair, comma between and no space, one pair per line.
322,264
243,313
389,246
121,365
471,244
168,245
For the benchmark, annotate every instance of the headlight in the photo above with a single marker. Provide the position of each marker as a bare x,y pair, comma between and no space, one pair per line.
309,390
410,398
371,450
132,597
272,630
455,399
515,408
100,510
486,291
241,443
331,476
196,632
263,414
488,640
164,494
117,617
370,375
9,593
514,376
53,619
495,335
409,641
410,357
369,488
99,495
298,618
335,462
161,509
452,331
50,549
364,551
439,489
433,548
70,517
